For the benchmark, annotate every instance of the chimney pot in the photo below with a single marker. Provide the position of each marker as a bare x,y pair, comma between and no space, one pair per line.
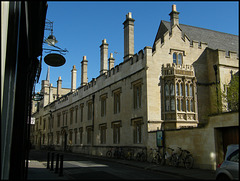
111,55
174,7
129,15
111,61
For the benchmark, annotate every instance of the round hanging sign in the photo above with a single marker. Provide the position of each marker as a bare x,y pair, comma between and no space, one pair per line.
54,59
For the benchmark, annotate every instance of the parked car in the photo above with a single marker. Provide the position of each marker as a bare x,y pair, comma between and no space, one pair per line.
229,168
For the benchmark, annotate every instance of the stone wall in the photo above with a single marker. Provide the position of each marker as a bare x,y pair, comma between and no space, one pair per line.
203,143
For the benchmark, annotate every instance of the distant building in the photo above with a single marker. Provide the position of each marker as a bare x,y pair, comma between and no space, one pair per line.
170,86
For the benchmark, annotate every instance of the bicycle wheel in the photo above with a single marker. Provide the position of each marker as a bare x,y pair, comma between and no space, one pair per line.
109,154
138,156
188,162
154,160
143,157
158,159
174,161
129,156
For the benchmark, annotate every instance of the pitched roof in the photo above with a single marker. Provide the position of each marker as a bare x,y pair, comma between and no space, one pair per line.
214,39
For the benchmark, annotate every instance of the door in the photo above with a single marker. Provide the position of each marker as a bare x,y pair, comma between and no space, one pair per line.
230,135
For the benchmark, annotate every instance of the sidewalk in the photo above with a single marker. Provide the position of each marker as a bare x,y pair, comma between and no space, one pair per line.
193,174
38,171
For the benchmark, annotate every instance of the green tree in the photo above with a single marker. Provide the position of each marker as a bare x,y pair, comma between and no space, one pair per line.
233,93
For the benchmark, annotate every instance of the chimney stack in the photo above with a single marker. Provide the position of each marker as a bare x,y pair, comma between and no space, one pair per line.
104,57
84,79
74,78
59,87
174,16
50,93
111,61
45,91
128,36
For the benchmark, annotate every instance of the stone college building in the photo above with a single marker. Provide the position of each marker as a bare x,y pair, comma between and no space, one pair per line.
173,86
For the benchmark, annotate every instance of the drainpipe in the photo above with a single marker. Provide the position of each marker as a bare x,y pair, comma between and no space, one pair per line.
215,69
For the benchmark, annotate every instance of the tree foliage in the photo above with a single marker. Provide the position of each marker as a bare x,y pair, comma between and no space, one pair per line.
233,93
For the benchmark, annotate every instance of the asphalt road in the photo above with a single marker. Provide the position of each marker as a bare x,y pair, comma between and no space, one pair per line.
78,166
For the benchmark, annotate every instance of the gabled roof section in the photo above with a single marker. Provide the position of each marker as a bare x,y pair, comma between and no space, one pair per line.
214,39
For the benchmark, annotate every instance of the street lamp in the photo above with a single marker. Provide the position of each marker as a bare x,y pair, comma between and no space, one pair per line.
53,59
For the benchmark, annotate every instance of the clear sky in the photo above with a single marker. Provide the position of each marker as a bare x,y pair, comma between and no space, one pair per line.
80,27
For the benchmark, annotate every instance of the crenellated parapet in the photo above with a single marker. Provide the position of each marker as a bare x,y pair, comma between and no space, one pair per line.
198,44
228,54
174,69
119,72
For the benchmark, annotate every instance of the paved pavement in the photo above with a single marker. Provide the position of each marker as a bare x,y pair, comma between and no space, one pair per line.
37,170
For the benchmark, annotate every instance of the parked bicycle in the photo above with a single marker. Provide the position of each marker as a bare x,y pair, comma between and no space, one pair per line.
151,154
141,156
168,156
129,155
157,157
184,157
118,153
109,153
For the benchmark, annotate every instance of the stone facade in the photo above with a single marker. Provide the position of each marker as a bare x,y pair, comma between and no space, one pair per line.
170,86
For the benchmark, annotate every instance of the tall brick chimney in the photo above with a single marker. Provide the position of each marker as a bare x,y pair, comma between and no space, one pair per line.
84,79
59,87
74,78
128,36
104,57
50,93
111,61
174,16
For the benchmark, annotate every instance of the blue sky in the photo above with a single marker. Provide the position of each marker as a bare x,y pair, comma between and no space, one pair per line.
80,27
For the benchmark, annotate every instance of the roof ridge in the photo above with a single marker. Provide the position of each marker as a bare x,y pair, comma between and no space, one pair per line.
203,28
